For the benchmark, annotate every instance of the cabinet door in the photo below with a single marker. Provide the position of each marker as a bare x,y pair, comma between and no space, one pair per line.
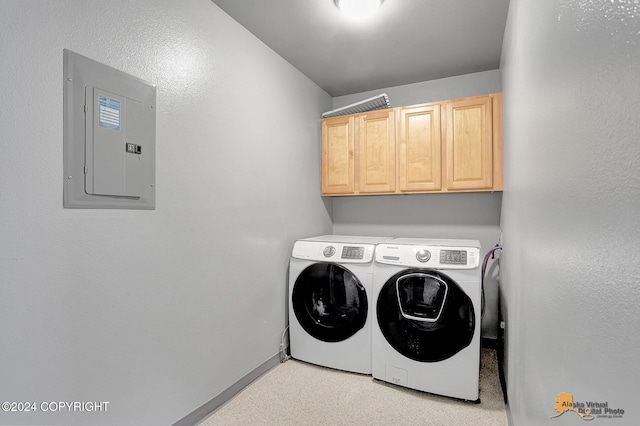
497,142
419,155
337,176
469,143
376,135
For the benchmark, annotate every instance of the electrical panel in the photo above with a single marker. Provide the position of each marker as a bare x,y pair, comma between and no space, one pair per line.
109,137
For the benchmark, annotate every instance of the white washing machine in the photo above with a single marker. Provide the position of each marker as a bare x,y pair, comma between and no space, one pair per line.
427,303
330,301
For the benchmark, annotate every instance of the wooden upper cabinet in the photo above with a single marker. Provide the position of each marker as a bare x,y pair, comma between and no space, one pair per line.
376,154
337,176
419,157
469,143
453,145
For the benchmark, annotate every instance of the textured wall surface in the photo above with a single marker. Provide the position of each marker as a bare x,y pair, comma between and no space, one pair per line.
460,86
158,311
570,207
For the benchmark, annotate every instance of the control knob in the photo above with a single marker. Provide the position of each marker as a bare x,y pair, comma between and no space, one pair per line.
423,255
329,251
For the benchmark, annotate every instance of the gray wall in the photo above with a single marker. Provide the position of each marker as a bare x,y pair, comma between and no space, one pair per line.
466,216
157,311
570,207
461,86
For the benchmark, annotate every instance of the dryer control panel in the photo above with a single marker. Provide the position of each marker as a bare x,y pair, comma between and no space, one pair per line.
428,256
333,251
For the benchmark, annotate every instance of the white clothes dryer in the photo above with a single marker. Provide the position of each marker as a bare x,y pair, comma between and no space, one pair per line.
330,301
427,303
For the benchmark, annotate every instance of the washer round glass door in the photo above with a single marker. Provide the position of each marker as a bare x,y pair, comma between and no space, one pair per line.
425,315
329,302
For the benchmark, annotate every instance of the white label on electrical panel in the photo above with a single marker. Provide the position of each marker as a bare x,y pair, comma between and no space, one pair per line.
108,113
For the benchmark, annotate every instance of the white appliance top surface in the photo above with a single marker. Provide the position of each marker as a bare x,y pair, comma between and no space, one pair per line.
435,242
347,239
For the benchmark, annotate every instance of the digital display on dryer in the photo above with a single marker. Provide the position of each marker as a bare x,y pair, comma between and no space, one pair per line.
453,257
350,252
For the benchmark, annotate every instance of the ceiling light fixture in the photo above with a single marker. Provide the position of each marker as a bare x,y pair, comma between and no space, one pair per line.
358,9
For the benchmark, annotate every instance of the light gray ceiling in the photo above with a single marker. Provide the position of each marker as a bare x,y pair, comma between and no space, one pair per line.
407,41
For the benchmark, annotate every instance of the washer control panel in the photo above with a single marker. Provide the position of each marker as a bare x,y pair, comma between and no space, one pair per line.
333,252
453,257
428,256
352,252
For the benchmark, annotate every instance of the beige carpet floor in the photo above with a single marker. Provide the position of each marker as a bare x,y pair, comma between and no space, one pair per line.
298,393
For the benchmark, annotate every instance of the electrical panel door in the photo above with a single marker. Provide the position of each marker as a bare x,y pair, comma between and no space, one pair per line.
109,137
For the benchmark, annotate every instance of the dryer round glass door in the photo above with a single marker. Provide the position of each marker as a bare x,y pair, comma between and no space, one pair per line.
425,315
329,302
